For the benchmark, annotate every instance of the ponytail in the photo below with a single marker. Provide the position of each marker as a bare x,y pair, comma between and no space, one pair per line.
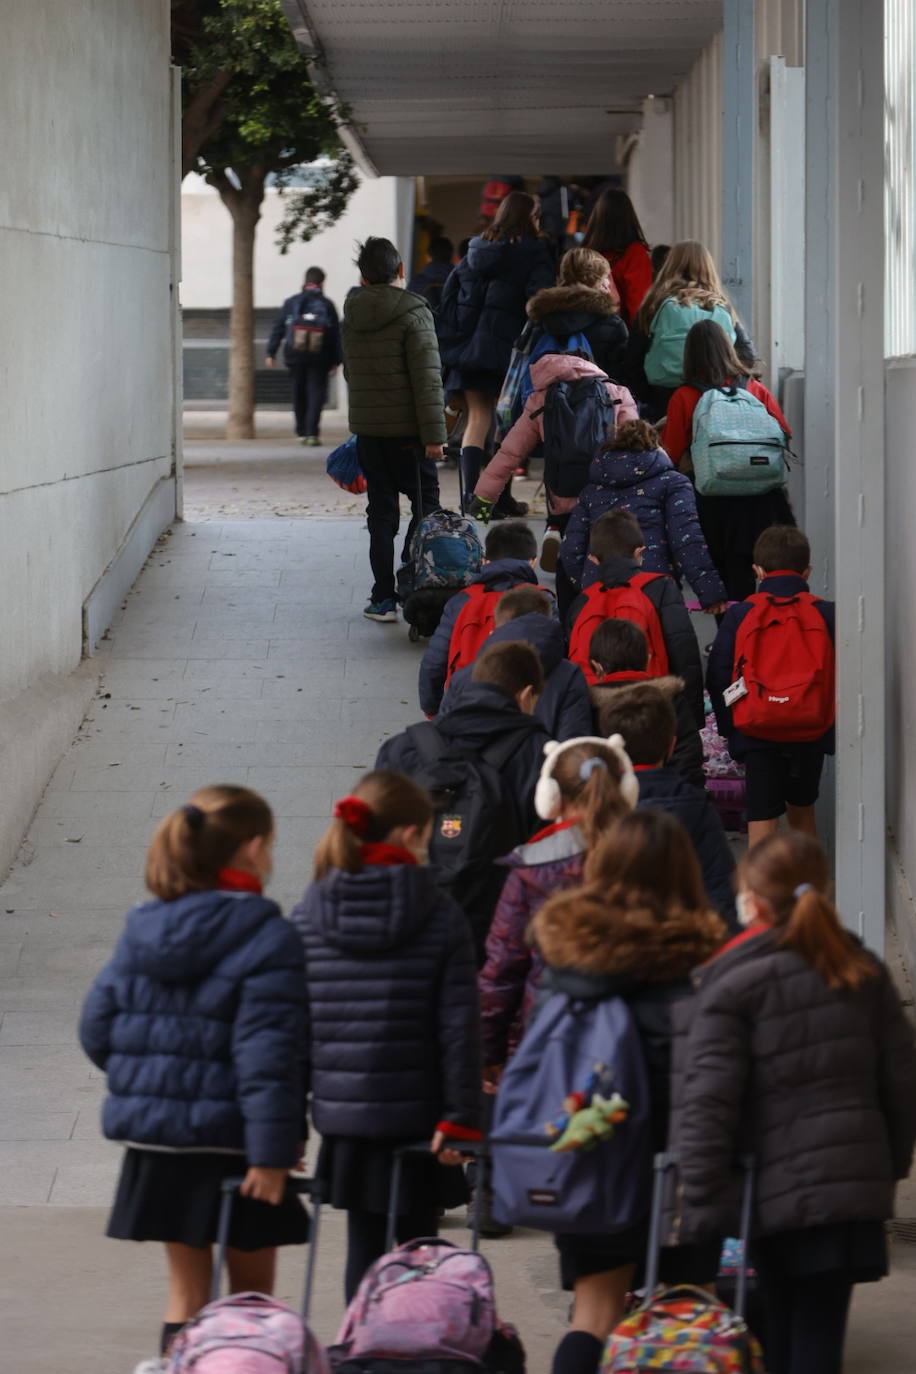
589,776
191,845
380,802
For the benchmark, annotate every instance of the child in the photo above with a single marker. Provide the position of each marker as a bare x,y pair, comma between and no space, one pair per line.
526,615
644,716
390,980
510,555
634,473
799,1053
635,930
617,558
198,1021
783,760
730,524
619,657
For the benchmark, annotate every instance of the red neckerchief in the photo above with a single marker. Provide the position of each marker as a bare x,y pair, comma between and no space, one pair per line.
554,829
384,855
234,880
625,675
755,928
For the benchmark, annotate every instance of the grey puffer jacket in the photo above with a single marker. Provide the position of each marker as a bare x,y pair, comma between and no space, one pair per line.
816,1084
394,1020
391,362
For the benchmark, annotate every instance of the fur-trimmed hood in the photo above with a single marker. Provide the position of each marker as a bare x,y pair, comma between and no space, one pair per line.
555,300
601,942
625,685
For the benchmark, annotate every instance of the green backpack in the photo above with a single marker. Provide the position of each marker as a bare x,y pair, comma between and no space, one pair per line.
668,332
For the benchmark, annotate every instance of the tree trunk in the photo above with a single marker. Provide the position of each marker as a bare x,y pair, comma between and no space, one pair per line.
244,205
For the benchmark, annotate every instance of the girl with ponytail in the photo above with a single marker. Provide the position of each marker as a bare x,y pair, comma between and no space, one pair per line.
393,1013
198,1021
799,1054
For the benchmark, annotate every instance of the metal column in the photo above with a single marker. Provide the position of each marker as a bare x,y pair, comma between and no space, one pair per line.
739,148
844,417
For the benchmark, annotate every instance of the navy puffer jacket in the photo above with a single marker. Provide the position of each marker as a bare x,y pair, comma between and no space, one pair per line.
482,310
391,983
199,1021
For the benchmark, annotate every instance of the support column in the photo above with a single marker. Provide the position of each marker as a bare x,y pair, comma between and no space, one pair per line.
739,146
844,417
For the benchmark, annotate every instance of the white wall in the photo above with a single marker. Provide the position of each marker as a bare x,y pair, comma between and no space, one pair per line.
86,350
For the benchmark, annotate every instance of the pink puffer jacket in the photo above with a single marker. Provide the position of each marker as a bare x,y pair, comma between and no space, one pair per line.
528,430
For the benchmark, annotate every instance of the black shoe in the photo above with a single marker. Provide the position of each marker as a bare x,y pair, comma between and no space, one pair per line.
510,509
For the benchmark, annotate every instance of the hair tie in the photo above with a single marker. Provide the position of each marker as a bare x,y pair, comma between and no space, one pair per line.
354,813
589,767
194,816
802,889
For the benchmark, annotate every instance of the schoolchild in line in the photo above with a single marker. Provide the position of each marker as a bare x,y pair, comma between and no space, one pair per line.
393,1015
615,232
798,1053
198,1022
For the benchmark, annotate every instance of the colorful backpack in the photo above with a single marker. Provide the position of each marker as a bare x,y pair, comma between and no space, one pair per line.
247,1333
444,552
682,1329
628,602
738,447
343,467
474,625
785,656
426,1300
672,322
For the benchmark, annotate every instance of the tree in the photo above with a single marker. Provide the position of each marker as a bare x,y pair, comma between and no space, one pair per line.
251,113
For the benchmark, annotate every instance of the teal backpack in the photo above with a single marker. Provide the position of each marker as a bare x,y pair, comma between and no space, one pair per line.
738,448
672,322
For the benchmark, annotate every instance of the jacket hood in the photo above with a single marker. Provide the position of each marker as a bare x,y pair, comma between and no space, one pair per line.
506,572
606,942
624,689
370,308
580,301
670,792
619,469
491,259
556,847
183,940
544,634
373,911
561,367
483,714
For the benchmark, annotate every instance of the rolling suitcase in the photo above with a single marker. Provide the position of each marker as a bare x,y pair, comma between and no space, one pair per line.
445,555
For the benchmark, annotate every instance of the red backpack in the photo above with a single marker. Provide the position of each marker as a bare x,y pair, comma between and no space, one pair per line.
784,652
474,624
628,602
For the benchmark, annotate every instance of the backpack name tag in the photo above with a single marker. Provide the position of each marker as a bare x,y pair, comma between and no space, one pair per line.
735,692
759,460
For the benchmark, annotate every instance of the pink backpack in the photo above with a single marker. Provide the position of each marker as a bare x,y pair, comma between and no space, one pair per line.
425,1300
247,1333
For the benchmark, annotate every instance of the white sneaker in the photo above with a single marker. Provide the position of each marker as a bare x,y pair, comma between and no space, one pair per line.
550,550
157,1366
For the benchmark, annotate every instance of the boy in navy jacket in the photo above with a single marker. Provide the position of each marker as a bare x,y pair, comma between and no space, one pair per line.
782,778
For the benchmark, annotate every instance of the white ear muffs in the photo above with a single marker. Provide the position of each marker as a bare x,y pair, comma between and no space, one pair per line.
548,799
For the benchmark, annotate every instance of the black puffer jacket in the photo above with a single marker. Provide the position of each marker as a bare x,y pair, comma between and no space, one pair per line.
391,985
660,789
482,309
817,1085
564,310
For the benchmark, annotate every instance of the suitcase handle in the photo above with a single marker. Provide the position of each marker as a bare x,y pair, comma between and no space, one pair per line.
477,1149
312,1188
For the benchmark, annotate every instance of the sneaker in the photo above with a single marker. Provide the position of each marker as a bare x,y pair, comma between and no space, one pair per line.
313,441
550,551
385,612
157,1366
510,509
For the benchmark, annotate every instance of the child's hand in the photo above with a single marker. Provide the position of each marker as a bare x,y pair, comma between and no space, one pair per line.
265,1185
719,608
444,1156
491,1076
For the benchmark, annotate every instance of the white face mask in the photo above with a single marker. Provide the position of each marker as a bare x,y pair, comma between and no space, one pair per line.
745,908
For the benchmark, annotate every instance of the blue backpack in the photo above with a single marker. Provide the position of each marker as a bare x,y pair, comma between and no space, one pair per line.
518,386
738,448
444,552
307,325
589,1051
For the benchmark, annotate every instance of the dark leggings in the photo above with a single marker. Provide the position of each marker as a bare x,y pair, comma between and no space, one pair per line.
366,1239
805,1321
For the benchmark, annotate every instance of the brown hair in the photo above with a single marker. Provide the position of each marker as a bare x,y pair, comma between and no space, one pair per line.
514,220
633,436
513,667
789,870
596,797
688,275
192,844
393,800
709,356
616,534
619,646
645,716
783,548
585,267
647,860
518,602
613,224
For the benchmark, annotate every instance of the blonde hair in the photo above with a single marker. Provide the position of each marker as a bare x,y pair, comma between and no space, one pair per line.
689,275
393,800
596,797
585,267
192,844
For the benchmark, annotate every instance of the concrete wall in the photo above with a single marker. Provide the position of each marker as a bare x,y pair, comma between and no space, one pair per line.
85,273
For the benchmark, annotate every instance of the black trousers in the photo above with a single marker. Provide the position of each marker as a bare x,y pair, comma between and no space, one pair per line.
366,1239
310,391
390,467
805,1321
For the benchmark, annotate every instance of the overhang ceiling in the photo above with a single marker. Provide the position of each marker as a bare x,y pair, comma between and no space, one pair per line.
489,86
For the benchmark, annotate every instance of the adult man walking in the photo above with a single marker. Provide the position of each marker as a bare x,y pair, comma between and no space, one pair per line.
309,330
391,362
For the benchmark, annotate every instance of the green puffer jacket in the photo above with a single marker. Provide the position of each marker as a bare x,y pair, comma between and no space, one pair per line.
391,362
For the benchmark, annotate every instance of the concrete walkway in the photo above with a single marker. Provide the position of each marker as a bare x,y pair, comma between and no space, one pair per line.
241,656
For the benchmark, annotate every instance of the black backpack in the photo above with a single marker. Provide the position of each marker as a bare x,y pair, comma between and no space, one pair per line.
475,822
578,417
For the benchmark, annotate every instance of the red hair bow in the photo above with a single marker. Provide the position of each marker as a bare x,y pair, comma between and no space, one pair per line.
354,813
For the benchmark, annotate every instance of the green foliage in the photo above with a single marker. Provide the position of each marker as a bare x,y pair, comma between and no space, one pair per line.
312,208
